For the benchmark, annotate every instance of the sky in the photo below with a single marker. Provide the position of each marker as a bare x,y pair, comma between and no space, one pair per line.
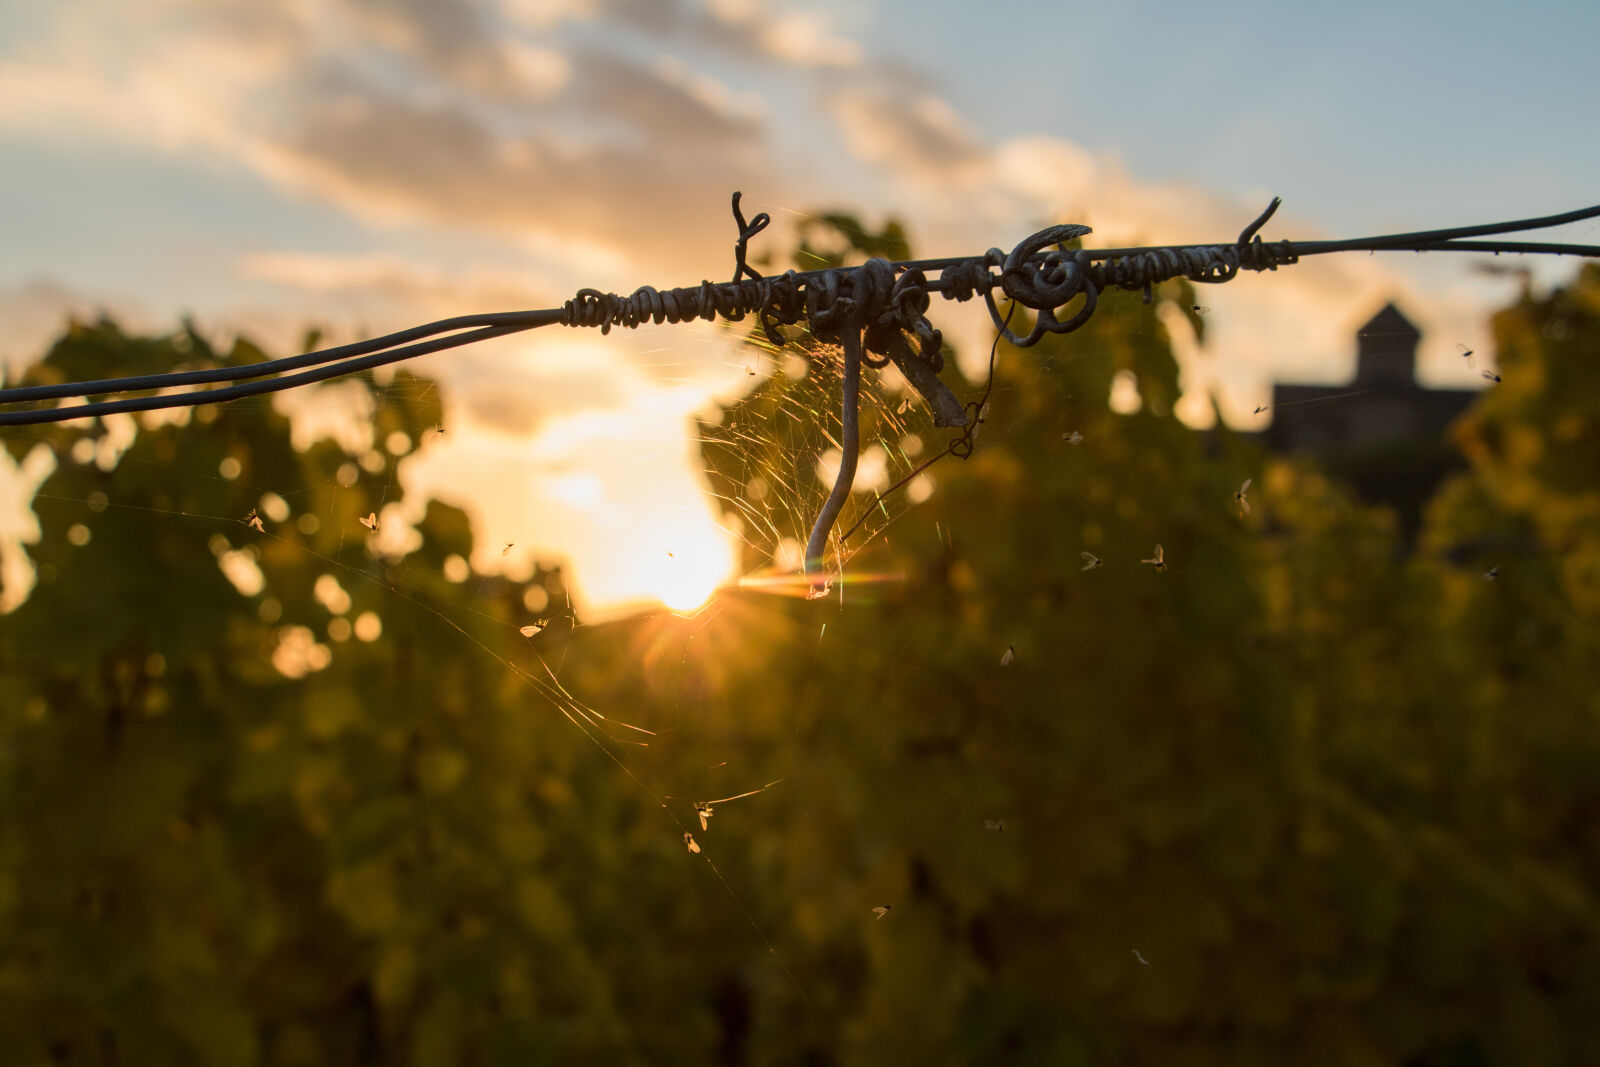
363,165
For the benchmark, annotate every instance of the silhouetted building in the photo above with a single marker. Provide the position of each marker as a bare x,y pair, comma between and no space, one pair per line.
1383,434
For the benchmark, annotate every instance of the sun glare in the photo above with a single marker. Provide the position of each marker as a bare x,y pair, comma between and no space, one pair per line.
688,567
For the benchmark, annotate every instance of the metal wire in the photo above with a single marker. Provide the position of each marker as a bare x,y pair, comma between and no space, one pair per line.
877,311
336,362
887,302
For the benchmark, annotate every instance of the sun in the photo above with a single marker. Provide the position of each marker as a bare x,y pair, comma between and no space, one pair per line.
684,590
688,567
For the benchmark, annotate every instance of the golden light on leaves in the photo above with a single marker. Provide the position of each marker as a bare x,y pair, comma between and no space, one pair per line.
331,594
368,626
298,653
239,566
274,507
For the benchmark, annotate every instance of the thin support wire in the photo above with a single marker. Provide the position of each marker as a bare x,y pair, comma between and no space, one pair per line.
877,311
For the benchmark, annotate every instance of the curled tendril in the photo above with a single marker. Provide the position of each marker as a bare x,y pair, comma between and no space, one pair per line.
747,230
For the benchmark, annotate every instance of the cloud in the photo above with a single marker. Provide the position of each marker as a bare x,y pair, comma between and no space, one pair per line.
35,313
175,73
466,44
919,137
751,30
448,114
543,14
797,38
388,155
663,99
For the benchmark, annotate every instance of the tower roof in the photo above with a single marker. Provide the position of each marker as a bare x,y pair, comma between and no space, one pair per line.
1386,349
1389,323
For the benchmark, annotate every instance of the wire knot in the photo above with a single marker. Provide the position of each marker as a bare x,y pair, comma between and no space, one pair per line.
964,280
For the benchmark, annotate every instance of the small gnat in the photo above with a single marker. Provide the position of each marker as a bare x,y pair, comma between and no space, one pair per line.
1140,958
1465,353
1090,560
1244,502
689,842
704,809
1159,560
253,520
531,630
881,910
1490,375
506,551
1200,310
1492,573
1009,655
1259,409
1073,438
371,521
996,825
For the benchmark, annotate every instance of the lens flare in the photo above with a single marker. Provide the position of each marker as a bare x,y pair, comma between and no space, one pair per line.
773,581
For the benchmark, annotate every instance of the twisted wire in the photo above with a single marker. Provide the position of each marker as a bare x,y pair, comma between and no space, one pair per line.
877,311
888,301
373,353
